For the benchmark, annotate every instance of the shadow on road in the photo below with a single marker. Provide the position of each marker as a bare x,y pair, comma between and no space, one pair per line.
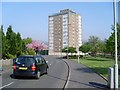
24,78
98,85
84,69
91,84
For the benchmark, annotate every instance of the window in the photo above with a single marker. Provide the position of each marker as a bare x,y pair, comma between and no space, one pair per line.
43,60
25,60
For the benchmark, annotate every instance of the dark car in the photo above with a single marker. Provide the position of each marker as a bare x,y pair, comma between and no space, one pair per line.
29,66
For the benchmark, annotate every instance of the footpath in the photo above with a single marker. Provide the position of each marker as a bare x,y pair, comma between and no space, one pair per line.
5,65
84,77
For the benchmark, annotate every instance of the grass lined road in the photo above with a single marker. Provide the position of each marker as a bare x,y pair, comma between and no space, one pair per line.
79,77
100,65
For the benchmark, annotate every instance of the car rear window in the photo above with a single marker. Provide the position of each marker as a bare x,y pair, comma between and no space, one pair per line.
25,60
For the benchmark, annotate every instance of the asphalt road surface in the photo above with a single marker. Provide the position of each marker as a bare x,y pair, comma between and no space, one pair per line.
61,74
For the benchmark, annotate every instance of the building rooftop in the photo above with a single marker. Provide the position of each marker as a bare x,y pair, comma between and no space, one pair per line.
65,11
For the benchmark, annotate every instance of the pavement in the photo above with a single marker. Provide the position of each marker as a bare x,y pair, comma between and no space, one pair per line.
62,74
84,77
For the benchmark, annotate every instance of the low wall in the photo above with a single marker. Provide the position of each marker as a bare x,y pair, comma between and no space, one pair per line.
6,62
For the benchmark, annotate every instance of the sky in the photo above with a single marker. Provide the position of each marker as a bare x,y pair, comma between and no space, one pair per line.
31,18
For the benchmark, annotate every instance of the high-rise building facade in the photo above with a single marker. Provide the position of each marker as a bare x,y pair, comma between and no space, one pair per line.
64,30
119,12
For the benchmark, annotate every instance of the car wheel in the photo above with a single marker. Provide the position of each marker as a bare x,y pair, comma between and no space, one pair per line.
38,75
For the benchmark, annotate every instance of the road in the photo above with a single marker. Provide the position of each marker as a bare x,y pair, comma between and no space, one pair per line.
61,74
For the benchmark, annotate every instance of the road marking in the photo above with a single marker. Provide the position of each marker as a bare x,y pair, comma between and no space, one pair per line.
68,78
6,85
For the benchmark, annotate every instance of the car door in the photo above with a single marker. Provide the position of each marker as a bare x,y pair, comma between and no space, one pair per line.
40,64
44,64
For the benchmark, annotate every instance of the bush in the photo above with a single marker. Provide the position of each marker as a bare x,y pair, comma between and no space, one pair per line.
30,52
119,58
10,56
81,56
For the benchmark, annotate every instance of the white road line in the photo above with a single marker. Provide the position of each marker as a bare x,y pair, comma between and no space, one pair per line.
6,85
68,78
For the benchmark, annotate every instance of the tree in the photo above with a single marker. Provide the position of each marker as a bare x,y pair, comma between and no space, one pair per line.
37,46
69,50
27,40
72,50
85,48
2,41
1,34
94,44
10,41
110,43
102,47
18,44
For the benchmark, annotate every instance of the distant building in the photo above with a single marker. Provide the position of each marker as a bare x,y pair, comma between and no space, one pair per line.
119,12
64,30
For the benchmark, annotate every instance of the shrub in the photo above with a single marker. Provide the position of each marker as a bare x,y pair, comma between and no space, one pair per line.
30,52
81,56
10,56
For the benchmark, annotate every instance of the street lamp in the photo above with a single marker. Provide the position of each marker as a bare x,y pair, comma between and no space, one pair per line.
67,52
78,55
116,59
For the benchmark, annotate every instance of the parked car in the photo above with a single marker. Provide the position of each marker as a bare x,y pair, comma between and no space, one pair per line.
29,66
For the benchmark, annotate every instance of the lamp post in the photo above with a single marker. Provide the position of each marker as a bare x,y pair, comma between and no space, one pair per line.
116,59
67,53
78,55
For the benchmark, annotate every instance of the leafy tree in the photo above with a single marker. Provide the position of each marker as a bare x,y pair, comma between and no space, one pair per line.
27,40
102,47
24,48
1,32
2,41
37,46
110,43
94,44
9,40
13,47
72,50
85,48
69,50
18,44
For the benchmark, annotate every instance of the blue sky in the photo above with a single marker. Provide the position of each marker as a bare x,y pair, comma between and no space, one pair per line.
31,19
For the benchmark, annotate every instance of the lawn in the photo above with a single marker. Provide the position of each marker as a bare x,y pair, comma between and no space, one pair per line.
100,65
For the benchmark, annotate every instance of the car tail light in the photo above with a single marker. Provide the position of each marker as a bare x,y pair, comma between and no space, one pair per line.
14,67
33,67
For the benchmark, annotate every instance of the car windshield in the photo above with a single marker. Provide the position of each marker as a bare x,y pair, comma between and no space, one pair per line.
25,60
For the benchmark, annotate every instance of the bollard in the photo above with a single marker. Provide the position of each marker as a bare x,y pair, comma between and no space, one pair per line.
110,77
